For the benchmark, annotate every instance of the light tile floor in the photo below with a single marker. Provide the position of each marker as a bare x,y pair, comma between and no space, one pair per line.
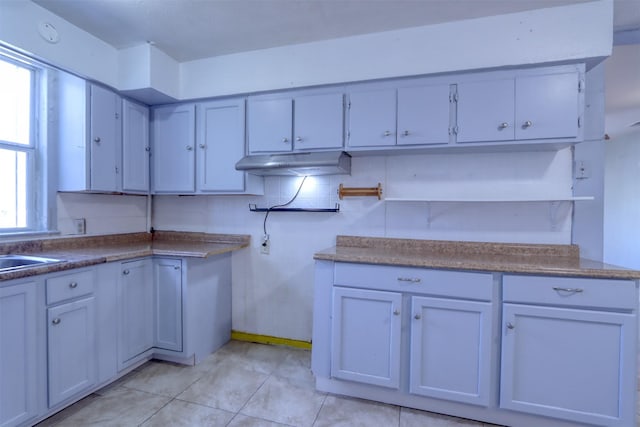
241,385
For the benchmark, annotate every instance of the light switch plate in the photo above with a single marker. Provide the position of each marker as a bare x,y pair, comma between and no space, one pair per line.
80,225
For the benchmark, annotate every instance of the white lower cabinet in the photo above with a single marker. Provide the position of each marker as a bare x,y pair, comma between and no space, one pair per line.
569,361
450,349
167,279
18,352
358,354
135,322
72,349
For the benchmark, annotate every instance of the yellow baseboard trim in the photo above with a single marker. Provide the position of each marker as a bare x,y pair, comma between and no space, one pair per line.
266,339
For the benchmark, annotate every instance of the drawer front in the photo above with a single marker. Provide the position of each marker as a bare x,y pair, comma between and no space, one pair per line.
572,292
69,286
456,284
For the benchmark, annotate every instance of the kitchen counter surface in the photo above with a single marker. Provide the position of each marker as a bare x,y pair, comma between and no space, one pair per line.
556,260
76,252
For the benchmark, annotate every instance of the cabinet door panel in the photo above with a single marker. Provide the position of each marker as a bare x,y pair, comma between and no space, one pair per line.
168,304
569,363
105,139
18,363
72,349
423,115
451,349
173,152
486,111
319,121
372,118
549,103
135,147
270,125
220,145
357,353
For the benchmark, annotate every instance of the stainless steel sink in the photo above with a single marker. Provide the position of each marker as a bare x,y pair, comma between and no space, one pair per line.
14,262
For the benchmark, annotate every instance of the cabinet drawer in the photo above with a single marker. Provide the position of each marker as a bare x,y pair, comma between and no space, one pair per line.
69,286
573,292
467,285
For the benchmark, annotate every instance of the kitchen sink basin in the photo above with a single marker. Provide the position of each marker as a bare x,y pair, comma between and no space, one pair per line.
14,262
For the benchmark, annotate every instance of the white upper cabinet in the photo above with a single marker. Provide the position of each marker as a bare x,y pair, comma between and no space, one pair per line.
270,125
423,115
372,118
173,152
319,121
220,144
135,147
486,111
89,135
311,121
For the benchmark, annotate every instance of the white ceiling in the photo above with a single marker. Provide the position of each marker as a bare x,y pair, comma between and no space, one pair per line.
192,29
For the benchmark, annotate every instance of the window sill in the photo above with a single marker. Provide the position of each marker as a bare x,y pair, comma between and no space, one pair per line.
24,235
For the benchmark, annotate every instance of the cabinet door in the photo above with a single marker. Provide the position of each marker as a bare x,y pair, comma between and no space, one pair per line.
319,121
566,363
135,147
270,125
172,153
372,118
485,111
366,336
547,106
423,115
168,303
451,349
72,349
220,145
105,139
18,361
136,306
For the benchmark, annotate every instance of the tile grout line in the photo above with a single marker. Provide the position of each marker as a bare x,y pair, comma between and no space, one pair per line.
315,420
253,394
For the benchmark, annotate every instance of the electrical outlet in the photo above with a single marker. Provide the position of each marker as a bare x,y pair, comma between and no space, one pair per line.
265,245
582,170
80,225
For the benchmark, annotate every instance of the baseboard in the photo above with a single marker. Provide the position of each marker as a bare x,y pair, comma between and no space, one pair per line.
266,339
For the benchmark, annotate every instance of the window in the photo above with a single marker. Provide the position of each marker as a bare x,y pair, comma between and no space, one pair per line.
19,181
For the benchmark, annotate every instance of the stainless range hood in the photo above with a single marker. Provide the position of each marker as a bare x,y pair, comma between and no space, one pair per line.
299,164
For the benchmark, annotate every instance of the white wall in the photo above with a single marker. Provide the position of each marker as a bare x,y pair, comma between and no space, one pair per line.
622,201
273,294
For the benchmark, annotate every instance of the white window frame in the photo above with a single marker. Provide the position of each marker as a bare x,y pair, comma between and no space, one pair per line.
40,188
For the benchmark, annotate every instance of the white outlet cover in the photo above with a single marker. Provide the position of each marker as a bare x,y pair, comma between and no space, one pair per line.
48,32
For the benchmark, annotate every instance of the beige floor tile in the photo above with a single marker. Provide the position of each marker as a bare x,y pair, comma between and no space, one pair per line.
346,412
119,407
296,367
284,402
180,413
167,379
414,418
244,421
258,357
224,388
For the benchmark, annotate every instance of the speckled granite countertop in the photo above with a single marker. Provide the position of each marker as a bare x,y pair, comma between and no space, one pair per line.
79,252
557,260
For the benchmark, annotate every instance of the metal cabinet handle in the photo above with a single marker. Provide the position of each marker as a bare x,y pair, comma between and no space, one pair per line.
417,317
73,285
409,279
396,312
510,325
387,133
569,290
503,125
97,140
147,148
285,140
125,272
56,321
175,267
189,148
527,124
203,146
405,133
299,139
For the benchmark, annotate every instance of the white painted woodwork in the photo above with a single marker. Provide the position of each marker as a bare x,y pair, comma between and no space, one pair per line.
105,139
135,147
372,118
318,121
270,125
423,115
357,353
167,282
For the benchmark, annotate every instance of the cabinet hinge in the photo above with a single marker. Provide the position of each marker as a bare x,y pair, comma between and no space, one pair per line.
580,85
453,130
453,97
117,170
349,104
117,116
348,134
579,122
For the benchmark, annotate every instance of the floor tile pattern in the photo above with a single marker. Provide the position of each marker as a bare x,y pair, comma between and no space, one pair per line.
241,385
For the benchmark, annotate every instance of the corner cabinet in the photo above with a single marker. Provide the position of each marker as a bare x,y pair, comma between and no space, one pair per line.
167,279
135,147
20,351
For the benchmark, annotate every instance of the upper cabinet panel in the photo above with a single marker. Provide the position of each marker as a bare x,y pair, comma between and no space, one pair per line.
319,121
135,147
423,115
105,134
372,118
270,125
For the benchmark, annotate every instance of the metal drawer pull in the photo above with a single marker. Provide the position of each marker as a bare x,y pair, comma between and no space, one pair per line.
417,317
56,321
125,272
409,279
73,285
396,312
510,325
571,290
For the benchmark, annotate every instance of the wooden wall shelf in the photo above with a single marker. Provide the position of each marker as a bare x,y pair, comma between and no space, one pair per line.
360,191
